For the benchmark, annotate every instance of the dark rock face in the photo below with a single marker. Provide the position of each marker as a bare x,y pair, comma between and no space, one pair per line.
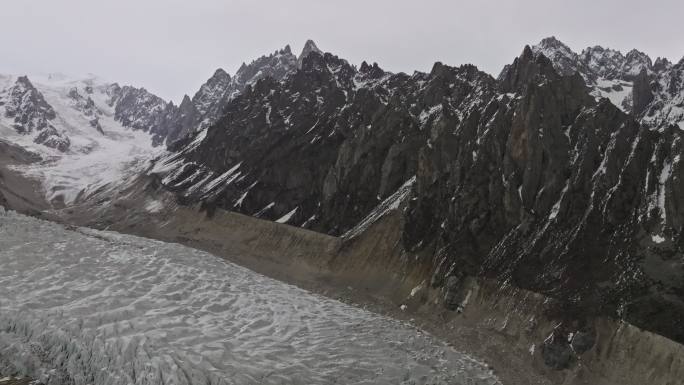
582,341
180,121
140,110
329,141
452,298
528,179
642,95
557,352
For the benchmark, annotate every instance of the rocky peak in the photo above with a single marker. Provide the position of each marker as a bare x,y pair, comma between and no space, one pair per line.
564,59
604,62
24,82
276,65
668,98
529,67
181,120
187,111
661,64
327,72
185,102
594,62
636,62
313,61
553,46
372,71
31,113
212,91
309,47
27,106
219,76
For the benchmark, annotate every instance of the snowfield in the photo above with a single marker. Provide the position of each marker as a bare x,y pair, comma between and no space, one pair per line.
87,307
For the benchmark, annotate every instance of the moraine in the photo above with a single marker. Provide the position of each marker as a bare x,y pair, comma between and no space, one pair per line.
82,306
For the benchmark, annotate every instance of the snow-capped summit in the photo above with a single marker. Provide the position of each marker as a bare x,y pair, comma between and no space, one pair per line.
565,60
605,62
632,81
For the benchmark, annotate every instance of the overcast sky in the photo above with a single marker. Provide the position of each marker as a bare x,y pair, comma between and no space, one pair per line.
172,46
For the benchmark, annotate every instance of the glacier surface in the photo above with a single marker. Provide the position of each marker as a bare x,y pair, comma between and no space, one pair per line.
79,306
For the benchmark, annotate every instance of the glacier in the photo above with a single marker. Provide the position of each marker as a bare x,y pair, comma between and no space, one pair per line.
80,306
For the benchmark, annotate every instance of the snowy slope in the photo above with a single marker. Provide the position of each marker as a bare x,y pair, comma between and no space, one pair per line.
101,151
87,307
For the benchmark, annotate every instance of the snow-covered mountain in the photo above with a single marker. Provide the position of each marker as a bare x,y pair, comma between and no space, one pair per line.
650,90
76,127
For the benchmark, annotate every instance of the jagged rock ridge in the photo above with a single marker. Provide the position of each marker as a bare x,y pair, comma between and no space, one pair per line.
139,109
530,178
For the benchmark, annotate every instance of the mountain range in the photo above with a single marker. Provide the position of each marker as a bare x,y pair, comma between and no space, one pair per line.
562,175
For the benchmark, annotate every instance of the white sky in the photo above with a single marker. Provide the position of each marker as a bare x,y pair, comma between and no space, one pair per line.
172,46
